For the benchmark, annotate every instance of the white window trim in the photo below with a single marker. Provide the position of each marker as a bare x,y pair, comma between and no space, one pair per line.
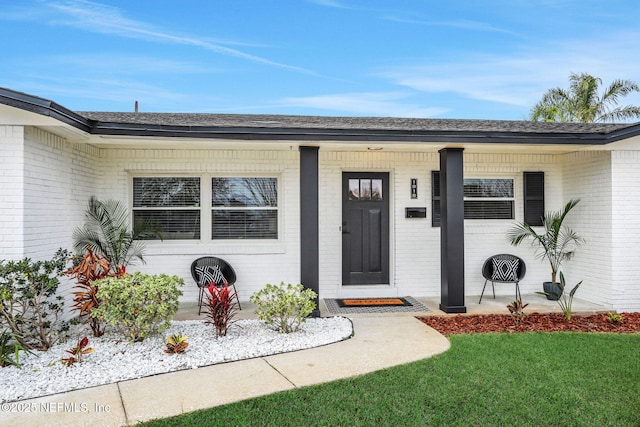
165,175
513,199
278,209
229,245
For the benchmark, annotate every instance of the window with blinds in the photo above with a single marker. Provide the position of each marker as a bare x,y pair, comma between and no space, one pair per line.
488,198
172,204
484,198
244,208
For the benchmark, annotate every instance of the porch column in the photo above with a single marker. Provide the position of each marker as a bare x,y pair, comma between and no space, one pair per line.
309,217
451,231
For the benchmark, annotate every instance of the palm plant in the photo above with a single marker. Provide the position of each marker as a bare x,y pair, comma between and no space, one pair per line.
565,301
556,244
107,232
581,103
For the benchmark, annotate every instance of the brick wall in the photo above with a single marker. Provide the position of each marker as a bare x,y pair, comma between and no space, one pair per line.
11,192
415,252
256,263
587,175
57,177
607,217
625,230
44,184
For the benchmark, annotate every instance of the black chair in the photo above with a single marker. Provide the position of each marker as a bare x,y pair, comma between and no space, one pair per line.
503,268
225,268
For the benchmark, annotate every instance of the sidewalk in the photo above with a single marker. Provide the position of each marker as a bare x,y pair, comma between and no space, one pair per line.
378,342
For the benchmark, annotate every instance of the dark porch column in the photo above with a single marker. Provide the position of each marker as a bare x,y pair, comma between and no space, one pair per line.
452,231
309,216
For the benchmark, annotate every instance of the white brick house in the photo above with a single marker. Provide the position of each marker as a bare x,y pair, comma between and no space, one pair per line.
53,159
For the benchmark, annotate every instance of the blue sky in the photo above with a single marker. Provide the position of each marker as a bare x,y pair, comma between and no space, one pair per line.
470,59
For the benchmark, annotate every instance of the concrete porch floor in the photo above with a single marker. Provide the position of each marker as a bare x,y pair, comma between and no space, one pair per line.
537,303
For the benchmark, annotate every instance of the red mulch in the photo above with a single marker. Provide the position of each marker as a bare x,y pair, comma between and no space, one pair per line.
537,322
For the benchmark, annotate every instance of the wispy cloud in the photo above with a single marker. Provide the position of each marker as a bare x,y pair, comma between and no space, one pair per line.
119,91
461,24
330,3
520,78
104,19
94,78
364,103
102,63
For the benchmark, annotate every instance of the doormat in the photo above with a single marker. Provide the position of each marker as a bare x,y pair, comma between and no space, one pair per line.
402,305
372,302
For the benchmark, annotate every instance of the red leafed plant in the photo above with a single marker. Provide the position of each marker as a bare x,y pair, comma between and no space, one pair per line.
92,267
516,308
79,350
221,308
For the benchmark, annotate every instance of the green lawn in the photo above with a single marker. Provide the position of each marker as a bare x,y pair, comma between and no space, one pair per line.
525,379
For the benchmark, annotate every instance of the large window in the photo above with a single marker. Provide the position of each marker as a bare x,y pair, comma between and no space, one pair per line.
241,207
484,198
172,204
244,208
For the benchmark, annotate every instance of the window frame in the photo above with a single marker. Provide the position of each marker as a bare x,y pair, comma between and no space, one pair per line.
511,199
277,208
435,197
167,208
206,206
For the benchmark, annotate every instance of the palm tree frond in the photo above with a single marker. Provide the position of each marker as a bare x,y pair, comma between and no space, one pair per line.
582,103
556,244
108,233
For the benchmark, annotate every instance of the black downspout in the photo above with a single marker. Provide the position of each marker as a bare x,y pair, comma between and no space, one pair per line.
309,219
452,231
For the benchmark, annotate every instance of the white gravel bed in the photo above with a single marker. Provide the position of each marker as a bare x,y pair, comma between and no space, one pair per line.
114,359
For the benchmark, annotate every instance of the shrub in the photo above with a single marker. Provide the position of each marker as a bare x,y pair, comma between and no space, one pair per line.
565,301
284,307
516,308
221,308
29,304
176,344
77,352
139,305
613,317
92,267
10,350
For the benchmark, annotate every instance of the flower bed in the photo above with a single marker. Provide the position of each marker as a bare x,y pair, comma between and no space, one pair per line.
115,359
533,322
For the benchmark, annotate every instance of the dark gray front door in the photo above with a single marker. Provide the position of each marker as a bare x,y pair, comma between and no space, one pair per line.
365,228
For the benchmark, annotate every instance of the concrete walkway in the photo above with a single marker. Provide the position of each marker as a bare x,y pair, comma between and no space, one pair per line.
379,342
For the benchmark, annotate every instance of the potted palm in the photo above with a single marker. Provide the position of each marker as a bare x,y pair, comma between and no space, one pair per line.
556,243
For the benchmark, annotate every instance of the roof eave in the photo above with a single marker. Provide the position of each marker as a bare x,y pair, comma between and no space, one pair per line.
306,134
44,107
296,133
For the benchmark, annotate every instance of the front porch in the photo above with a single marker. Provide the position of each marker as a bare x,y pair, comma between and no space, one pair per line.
537,303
